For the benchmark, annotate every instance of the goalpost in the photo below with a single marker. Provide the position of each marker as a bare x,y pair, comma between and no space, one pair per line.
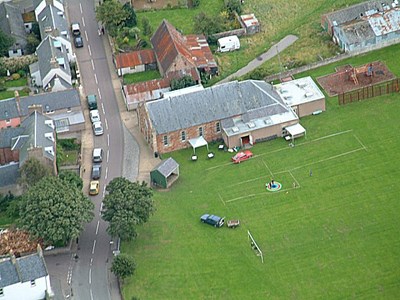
254,246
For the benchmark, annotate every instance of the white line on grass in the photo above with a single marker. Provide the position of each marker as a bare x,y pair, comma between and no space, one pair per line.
333,134
258,194
295,180
365,148
267,168
247,181
221,198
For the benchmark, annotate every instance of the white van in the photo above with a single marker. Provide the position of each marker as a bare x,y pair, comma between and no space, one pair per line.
97,155
229,43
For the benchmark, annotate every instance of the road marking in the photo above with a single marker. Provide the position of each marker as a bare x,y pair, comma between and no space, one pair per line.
108,154
90,276
106,173
95,79
101,207
92,64
97,227
94,246
102,108
104,190
98,91
90,51
108,140
91,261
91,294
80,7
105,120
87,38
83,22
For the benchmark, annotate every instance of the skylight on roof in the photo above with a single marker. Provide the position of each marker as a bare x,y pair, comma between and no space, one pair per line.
235,129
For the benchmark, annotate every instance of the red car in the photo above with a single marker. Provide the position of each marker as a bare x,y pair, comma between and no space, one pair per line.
242,156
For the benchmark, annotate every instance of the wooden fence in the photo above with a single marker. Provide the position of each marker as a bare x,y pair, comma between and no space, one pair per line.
371,91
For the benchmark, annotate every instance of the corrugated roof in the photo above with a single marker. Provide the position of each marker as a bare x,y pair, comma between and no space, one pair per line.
167,167
135,58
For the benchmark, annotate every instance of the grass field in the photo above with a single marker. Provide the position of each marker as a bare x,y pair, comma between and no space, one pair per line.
141,76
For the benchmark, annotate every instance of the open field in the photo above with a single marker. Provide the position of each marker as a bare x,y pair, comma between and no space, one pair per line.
336,235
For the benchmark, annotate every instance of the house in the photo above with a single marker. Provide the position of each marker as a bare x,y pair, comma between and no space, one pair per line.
52,21
39,6
250,23
239,113
302,95
12,24
35,137
10,114
165,173
52,70
136,61
25,277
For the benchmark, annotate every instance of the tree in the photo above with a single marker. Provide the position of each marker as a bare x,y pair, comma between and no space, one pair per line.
112,14
31,172
232,6
131,20
55,211
182,82
147,29
126,205
207,25
6,41
71,178
32,43
123,266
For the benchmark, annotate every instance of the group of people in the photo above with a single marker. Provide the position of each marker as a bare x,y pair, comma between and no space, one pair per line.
271,184
101,30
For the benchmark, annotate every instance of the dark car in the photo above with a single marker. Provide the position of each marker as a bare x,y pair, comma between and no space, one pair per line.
96,171
92,101
78,41
212,220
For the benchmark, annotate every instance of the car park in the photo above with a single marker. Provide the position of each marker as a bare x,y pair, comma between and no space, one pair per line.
242,156
98,128
96,171
212,220
94,115
94,187
92,101
78,41
76,29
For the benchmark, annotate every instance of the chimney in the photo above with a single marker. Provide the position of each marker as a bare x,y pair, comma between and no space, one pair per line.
34,107
12,256
53,62
17,101
39,250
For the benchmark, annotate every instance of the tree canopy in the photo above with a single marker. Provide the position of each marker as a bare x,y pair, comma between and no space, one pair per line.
182,82
131,20
123,266
207,25
112,14
71,178
6,41
126,205
55,211
32,171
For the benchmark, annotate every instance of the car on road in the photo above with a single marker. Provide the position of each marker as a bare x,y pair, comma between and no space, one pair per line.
92,101
94,187
97,155
96,171
76,29
212,220
94,115
78,41
242,156
98,128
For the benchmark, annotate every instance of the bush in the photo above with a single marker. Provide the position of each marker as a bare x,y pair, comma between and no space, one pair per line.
22,73
195,3
14,64
26,90
68,144
15,76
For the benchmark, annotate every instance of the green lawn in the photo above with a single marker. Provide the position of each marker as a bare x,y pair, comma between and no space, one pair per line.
5,221
336,236
10,94
15,83
141,76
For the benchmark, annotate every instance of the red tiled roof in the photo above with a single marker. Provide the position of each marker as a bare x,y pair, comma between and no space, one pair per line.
135,58
146,86
200,51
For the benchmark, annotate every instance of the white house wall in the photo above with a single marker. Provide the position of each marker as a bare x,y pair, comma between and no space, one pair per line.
137,69
25,290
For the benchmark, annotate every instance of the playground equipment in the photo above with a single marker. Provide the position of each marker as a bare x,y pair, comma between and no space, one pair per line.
366,69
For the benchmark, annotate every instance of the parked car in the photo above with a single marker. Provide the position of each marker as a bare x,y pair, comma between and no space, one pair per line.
78,41
94,187
94,115
212,220
92,101
98,128
242,156
97,155
96,171
76,29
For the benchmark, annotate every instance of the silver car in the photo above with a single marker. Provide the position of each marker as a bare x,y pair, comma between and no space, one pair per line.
98,128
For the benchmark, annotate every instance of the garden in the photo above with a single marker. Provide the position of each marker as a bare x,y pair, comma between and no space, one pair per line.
333,234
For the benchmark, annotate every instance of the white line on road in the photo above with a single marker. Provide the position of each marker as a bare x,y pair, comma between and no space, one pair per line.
102,107
91,294
101,207
104,190
97,227
87,38
92,64
90,51
106,173
95,79
80,7
98,91
94,246
105,120
90,276
91,261
83,22
108,154
108,140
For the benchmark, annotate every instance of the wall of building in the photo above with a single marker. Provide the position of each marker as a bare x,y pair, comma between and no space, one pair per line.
123,71
7,155
15,122
25,290
308,108
38,154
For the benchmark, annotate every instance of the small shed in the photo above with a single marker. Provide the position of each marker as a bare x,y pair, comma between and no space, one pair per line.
251,23
165,173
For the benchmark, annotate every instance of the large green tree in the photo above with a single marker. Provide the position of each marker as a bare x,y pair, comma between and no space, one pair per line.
123,266
112,14
126,205
71,178
32,172
6,42
55,210
180,83
207,25
131,20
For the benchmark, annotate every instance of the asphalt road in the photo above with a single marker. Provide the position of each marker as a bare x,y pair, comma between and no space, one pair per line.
90,275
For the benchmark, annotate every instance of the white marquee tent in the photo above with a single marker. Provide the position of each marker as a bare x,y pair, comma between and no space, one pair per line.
198,142
296,131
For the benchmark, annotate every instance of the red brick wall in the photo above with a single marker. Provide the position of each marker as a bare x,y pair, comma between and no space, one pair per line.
7,155
13,123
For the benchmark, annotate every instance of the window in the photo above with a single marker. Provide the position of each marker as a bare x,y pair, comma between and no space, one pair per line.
1,292
183,136
165,140
69,109
218,127
8,121
33,283
200,131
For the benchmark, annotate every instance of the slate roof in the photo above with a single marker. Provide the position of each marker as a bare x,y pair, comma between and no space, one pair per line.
135,58
26,268
9,175
166,167
11,23
54,100
7,135
214,103
52,22
8,109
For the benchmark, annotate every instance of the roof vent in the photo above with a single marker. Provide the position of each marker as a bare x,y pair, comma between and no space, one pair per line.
302,84
235,129
268,121
251,124
309,94
60,13
49,123
48,29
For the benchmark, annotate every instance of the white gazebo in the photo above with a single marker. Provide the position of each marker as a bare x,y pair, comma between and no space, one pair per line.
196,143
295,131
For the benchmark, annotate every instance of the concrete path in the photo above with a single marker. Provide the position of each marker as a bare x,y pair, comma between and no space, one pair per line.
280,46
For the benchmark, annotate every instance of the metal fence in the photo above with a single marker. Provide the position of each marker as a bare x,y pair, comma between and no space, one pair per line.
383,88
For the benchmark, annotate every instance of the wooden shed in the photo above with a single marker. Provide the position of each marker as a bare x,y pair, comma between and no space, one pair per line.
165,173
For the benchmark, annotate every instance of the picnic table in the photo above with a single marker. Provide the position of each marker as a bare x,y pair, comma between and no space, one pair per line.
233,223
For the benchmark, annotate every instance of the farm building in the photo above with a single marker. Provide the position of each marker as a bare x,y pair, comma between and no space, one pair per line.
136,61
250,23
239,113
165,173
302,95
